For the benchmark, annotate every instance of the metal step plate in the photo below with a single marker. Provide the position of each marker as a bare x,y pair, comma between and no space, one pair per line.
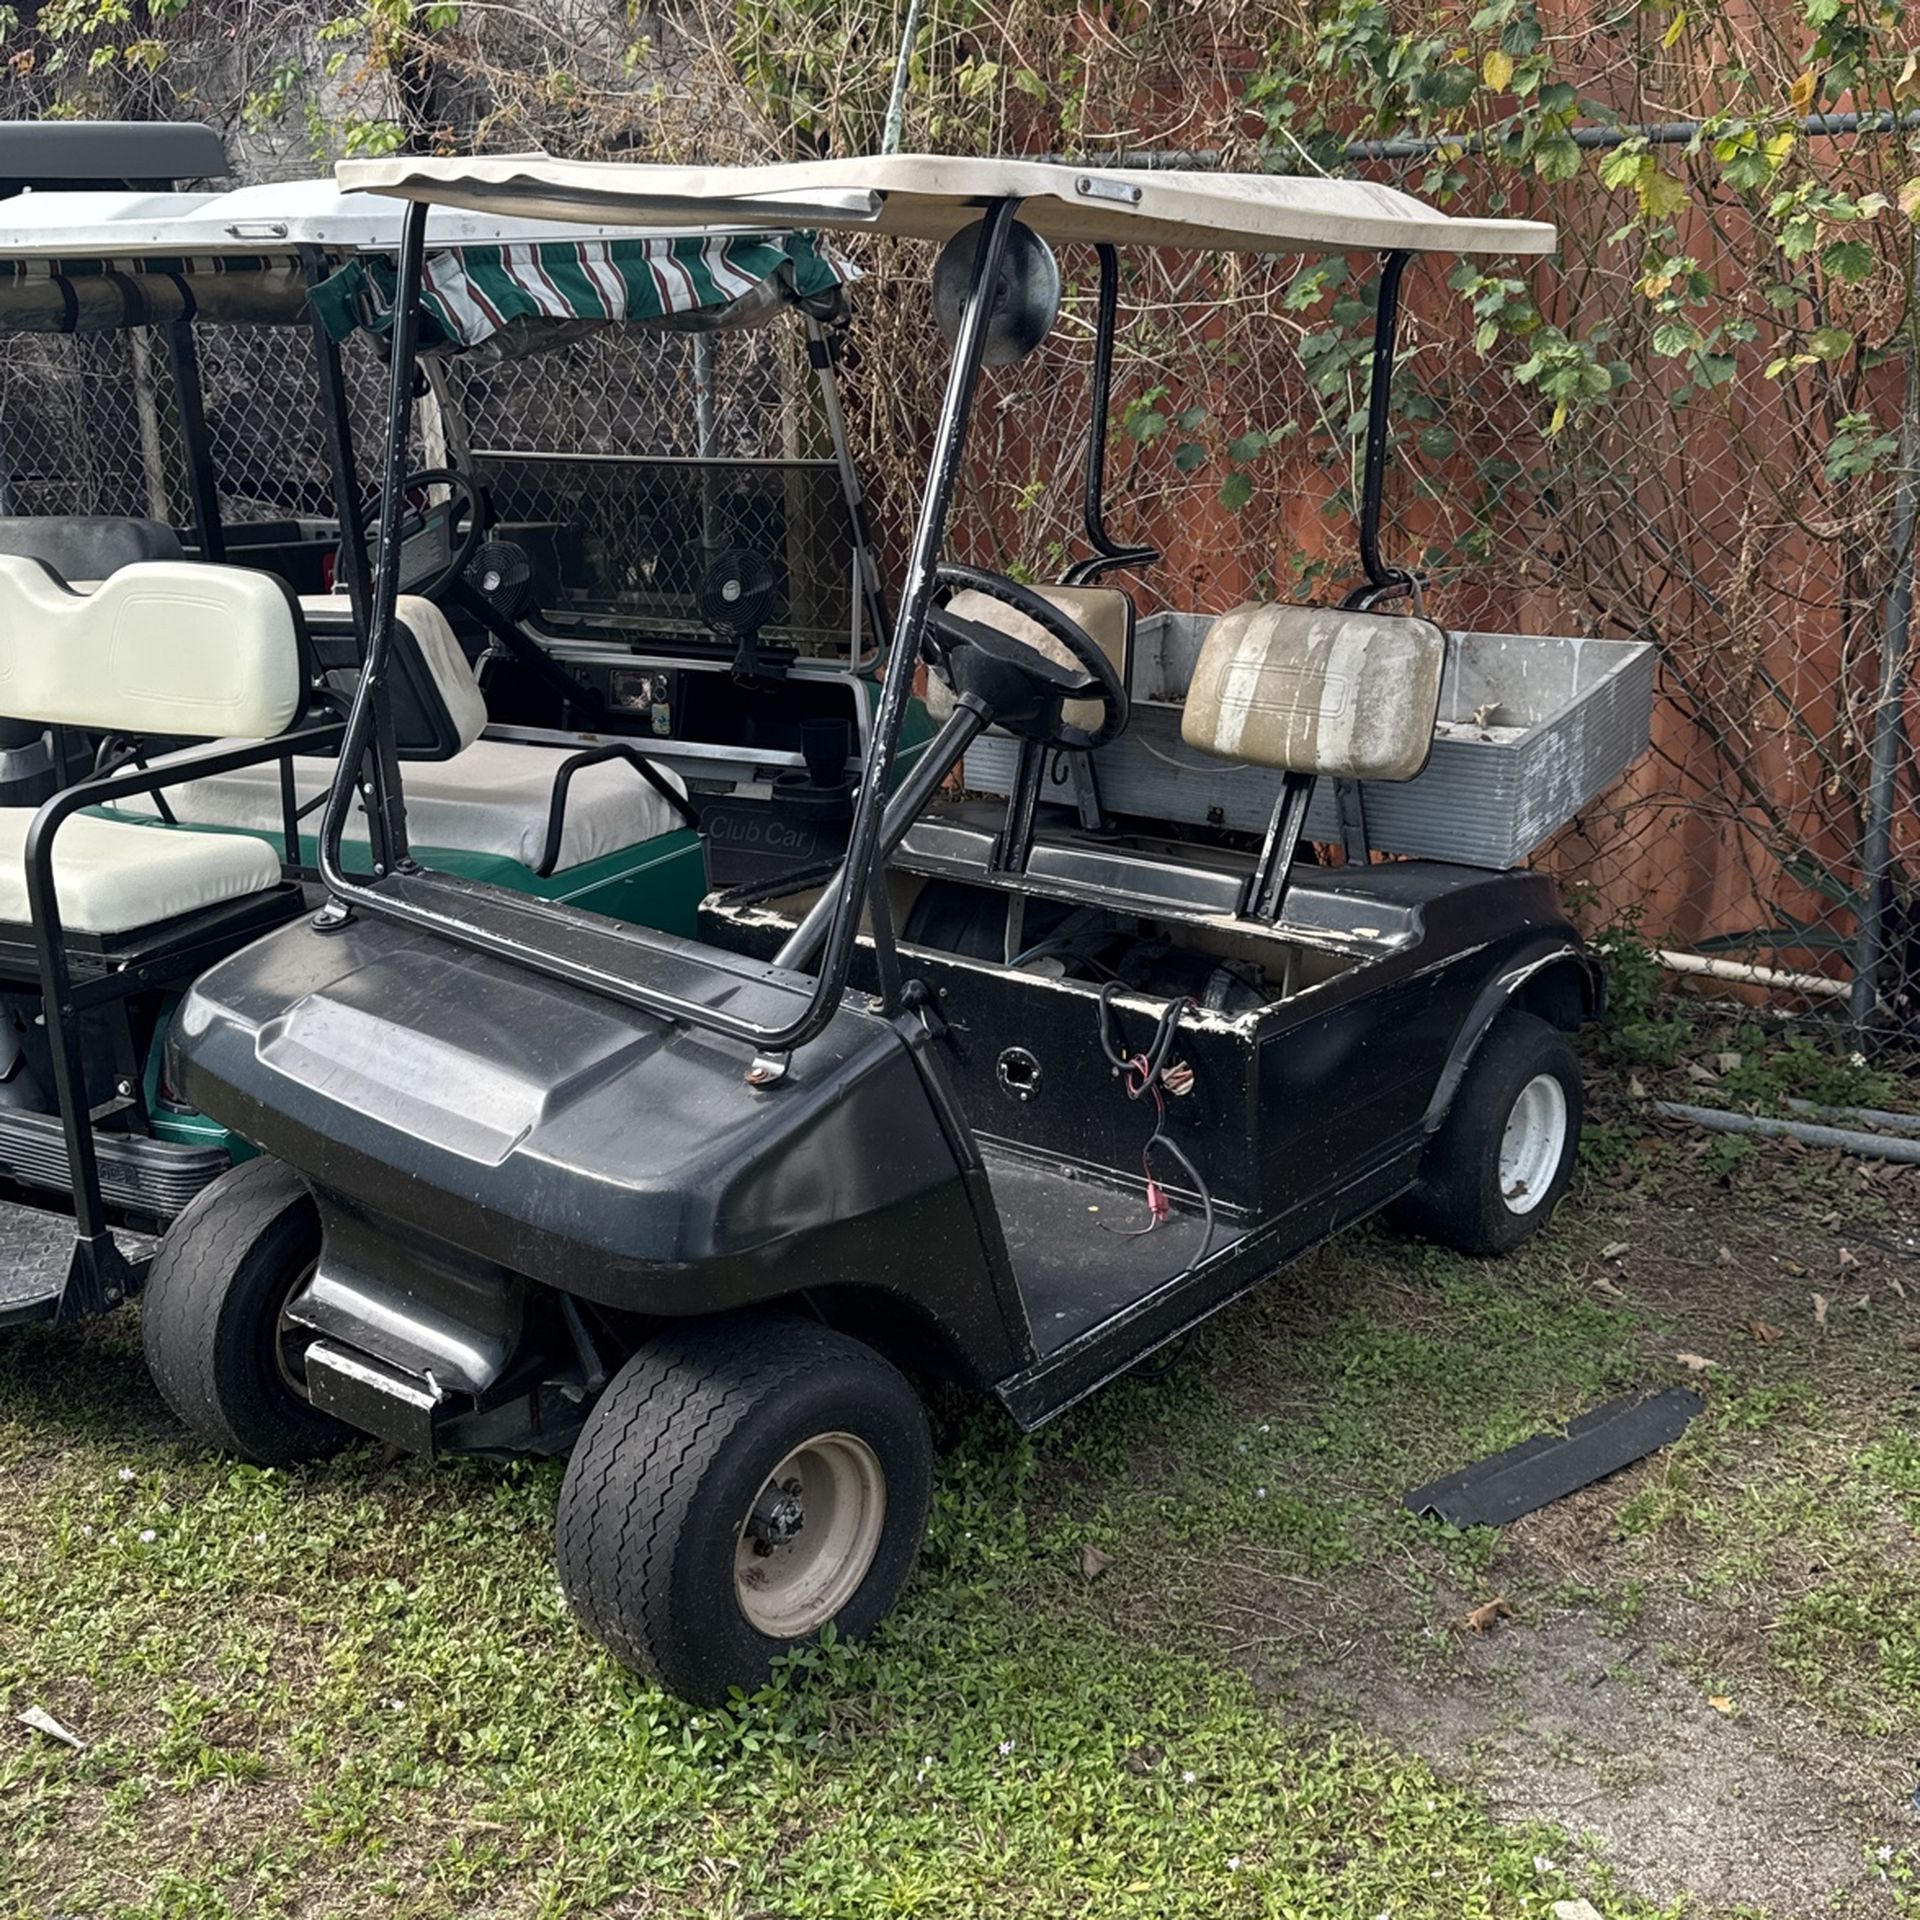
36,1255
36,1249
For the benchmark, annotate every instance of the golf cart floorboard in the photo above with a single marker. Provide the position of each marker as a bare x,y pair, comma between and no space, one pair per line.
1076,1248
36,1253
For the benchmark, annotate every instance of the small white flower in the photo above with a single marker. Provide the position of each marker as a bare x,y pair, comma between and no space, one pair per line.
1233,1863
1259,1493
1189,1777
259,1539
147,1536
397,1706
126,1474
86,1532
1883,1854
1006,1747
1541,1864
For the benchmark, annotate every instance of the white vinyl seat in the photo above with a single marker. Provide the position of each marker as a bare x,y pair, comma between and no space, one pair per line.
493,799
162,646
111,876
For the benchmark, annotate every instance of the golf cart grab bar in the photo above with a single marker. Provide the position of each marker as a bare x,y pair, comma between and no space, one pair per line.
593,757
416,898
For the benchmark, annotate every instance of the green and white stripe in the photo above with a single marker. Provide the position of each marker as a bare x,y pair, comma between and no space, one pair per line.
471,294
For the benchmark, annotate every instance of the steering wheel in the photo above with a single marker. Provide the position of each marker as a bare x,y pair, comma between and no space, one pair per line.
467,509
948,634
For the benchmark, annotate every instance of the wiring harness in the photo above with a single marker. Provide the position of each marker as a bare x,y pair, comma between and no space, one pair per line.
1151,1075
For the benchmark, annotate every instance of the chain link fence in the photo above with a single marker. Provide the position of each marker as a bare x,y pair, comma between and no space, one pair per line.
1704,512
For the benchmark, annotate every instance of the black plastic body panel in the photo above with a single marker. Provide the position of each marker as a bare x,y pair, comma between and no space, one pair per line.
520,1124
1303,1097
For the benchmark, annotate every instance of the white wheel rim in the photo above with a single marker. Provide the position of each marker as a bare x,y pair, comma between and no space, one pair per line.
1534,1143
790,1584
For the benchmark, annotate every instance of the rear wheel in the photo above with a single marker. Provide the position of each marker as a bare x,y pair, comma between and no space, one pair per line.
213,1316
1495,1171
742,1484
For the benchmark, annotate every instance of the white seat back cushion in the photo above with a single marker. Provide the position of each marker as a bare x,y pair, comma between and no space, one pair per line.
110,876
445,659
1105,613
492,799
1318,690
163,646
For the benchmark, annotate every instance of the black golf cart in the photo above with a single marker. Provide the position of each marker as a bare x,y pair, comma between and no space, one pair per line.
690,1207
531,777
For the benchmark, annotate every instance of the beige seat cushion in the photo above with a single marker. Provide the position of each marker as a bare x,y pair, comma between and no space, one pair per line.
1106,614
111,876
1318,690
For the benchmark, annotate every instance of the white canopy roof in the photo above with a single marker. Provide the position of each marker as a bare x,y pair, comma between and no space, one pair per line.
276,218
933,196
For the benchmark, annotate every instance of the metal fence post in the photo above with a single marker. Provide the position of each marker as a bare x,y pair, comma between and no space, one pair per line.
1889,718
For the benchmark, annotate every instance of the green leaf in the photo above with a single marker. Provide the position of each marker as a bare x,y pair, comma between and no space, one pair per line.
1830,344
1235,491
1189,456
1847,259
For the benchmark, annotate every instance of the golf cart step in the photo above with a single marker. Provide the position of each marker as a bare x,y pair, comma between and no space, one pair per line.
151,1176
36,1257
1077,1247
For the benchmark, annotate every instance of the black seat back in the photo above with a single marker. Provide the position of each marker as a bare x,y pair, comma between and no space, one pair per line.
87,546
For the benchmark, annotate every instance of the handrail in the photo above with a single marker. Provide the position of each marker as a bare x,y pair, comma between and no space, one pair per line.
896,687
49,943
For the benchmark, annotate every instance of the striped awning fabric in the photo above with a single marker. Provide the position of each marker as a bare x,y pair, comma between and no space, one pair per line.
479,295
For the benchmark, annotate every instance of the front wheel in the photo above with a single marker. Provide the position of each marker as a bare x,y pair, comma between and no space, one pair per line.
743,1483
213,1316
1495,1171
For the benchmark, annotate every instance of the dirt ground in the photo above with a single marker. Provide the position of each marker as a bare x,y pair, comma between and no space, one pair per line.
1664,1689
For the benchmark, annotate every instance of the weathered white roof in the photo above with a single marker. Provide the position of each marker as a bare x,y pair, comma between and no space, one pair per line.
932,196
279,217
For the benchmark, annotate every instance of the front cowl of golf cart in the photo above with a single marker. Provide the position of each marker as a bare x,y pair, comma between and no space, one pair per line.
515,1177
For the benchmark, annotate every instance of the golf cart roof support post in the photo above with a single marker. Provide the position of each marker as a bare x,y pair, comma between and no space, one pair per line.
841,904
1386,325
916,601
190,408
873,599
349,508
369,736
1107,552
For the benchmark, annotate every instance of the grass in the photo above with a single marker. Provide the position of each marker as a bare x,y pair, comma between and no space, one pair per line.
355,1690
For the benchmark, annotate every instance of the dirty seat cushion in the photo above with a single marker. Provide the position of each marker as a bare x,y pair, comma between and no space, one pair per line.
1105,614
1317,690
111,876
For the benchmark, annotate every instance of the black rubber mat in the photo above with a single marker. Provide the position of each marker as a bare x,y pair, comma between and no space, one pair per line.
1550,1466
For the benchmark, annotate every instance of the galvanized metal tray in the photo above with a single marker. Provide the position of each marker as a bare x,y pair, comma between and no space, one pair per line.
1532,729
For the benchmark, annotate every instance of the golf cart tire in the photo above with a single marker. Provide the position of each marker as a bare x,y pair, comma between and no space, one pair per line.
1458,1201
210,1315
674,1458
